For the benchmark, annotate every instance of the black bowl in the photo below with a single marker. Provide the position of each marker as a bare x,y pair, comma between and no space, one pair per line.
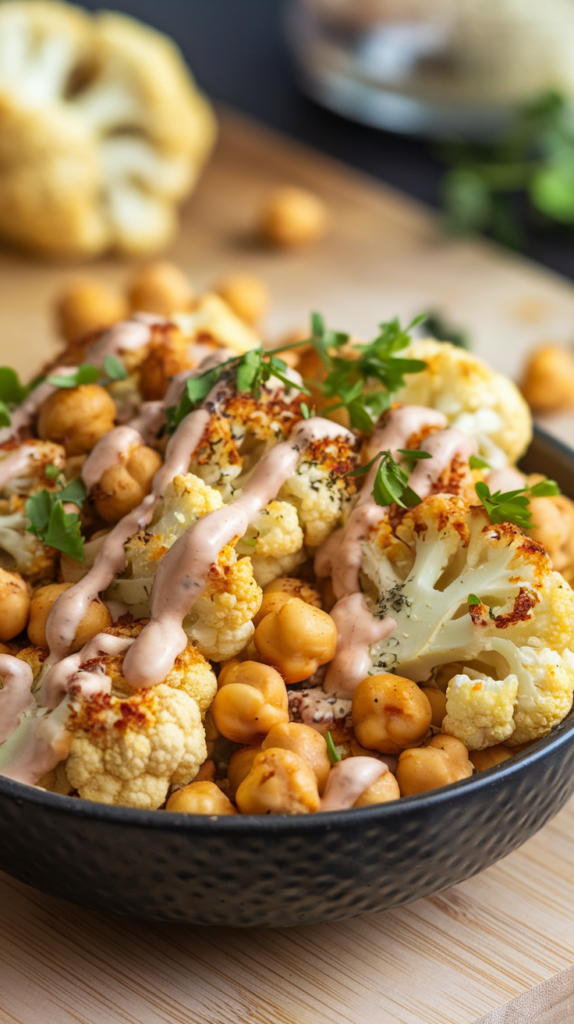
278,871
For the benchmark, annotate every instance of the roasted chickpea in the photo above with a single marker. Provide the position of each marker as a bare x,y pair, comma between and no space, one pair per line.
76,417
14,604
276,594
168,354
240,765
160,288
442,761
124,486
437,701
280,782
97,619
250,701
306,742
292,217
297,638
390,713
200,798
485,759
88,305
548,382
247,295
386,788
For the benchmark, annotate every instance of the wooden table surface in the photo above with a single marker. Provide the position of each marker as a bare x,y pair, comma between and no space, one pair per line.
449,959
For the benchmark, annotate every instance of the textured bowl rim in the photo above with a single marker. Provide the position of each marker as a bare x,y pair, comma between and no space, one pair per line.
172,821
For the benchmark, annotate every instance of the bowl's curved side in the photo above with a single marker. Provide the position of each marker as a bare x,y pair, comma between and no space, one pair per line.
282,871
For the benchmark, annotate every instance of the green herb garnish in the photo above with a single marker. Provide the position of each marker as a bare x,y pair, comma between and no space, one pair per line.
115,369
513,506
52,472
437,327
85,374
12,392
473,600
392,481
475,462
350,378
334,757
535,158
50,521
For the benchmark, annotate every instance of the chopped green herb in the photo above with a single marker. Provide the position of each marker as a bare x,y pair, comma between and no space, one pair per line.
437,327
513,506
85,374
50,521
392,481
115,369
334,756
473,600
475,462
52,471
414,454
305,410
12,392
5,418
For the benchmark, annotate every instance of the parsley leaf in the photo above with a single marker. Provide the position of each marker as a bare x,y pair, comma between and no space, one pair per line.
115,369
475,462
52,472
12,392
513,506
85,374
473,600
50,521
392,481
5,418
437,327
334,756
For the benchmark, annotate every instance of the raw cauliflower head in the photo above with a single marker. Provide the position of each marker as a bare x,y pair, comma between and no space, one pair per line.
220,622
102,131
473,397
506,662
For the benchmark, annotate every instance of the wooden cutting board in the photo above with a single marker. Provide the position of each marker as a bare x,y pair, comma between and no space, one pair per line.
446,960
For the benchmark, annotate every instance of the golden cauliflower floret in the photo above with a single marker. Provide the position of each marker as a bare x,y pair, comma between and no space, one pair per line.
186,499
23,468
474,398
128,752
220,622
480,710
522,625
97,160
321,487
212,319
277,530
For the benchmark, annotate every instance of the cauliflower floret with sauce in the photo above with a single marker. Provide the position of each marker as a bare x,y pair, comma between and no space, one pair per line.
473,397
274,542
21,550
220,621
129,747
321,488
516,642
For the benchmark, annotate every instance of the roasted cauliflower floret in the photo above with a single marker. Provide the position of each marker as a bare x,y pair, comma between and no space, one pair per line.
212,320
23,469
321,487
22,550
474,398
274,542
101,130
220,622
442,554
129,751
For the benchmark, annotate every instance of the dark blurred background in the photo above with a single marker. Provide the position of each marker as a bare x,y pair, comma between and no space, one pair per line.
238,53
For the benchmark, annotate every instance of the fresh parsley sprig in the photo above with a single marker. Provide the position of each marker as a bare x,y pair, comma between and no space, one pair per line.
391,484
251,370
12,392
50,522
365,378
513,506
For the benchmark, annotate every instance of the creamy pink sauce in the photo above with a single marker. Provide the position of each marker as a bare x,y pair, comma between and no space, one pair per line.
67,673
113,448
443,447
348,779
357,629
148,421
182,573
126,336
340,555
21,461
23,415
15,695
48,743
507,479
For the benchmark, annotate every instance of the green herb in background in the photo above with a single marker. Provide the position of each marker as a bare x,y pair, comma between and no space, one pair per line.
475,462
535,159
514,506
437,327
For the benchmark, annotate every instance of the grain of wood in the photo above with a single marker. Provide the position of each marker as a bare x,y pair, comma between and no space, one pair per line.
444,960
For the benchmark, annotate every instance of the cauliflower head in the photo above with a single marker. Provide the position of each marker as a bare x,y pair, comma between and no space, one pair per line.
129,751
473,397
512,649
94,161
